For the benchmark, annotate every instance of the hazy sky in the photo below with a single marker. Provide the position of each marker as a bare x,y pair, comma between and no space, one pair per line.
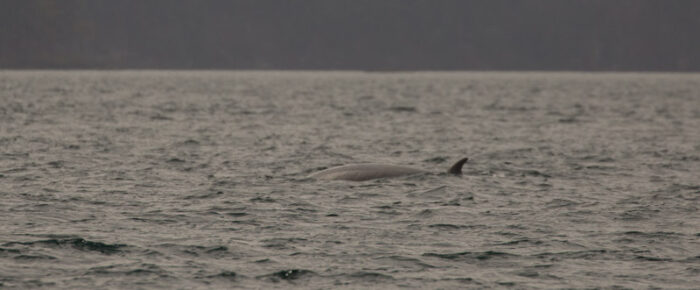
356,34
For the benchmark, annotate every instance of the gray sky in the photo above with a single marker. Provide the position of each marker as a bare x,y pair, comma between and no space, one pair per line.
358,34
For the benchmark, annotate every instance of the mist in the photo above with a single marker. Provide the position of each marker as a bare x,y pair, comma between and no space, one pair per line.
352,35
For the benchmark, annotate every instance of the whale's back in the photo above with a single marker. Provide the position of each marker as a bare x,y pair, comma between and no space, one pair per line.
361,172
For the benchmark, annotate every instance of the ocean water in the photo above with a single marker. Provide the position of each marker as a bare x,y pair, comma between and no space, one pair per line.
199,180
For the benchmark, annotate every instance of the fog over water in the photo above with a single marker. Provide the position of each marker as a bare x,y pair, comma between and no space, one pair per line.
199,179
621,35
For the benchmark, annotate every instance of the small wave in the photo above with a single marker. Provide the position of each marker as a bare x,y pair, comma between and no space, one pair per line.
4,251
282,243
520,241
228,275
372,276
653,235
202,251
287,275
639,214
471,255
188,142
175,160
438,159
588,254
653,259
76,243
141,269
446,226
205,195
34,257
695,259
560,202
405,262
402,109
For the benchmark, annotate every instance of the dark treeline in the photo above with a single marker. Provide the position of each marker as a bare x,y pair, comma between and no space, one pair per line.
356,34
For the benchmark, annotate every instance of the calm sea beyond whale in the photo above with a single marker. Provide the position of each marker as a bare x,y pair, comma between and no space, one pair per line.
362,172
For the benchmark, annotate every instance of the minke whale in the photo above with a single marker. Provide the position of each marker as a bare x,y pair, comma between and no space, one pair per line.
362,172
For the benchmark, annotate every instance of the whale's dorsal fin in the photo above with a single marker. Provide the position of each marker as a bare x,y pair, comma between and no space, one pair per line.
457,168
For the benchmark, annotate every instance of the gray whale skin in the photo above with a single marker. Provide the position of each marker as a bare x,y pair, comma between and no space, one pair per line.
362,172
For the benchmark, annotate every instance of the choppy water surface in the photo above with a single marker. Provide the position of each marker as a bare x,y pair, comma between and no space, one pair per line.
199,180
